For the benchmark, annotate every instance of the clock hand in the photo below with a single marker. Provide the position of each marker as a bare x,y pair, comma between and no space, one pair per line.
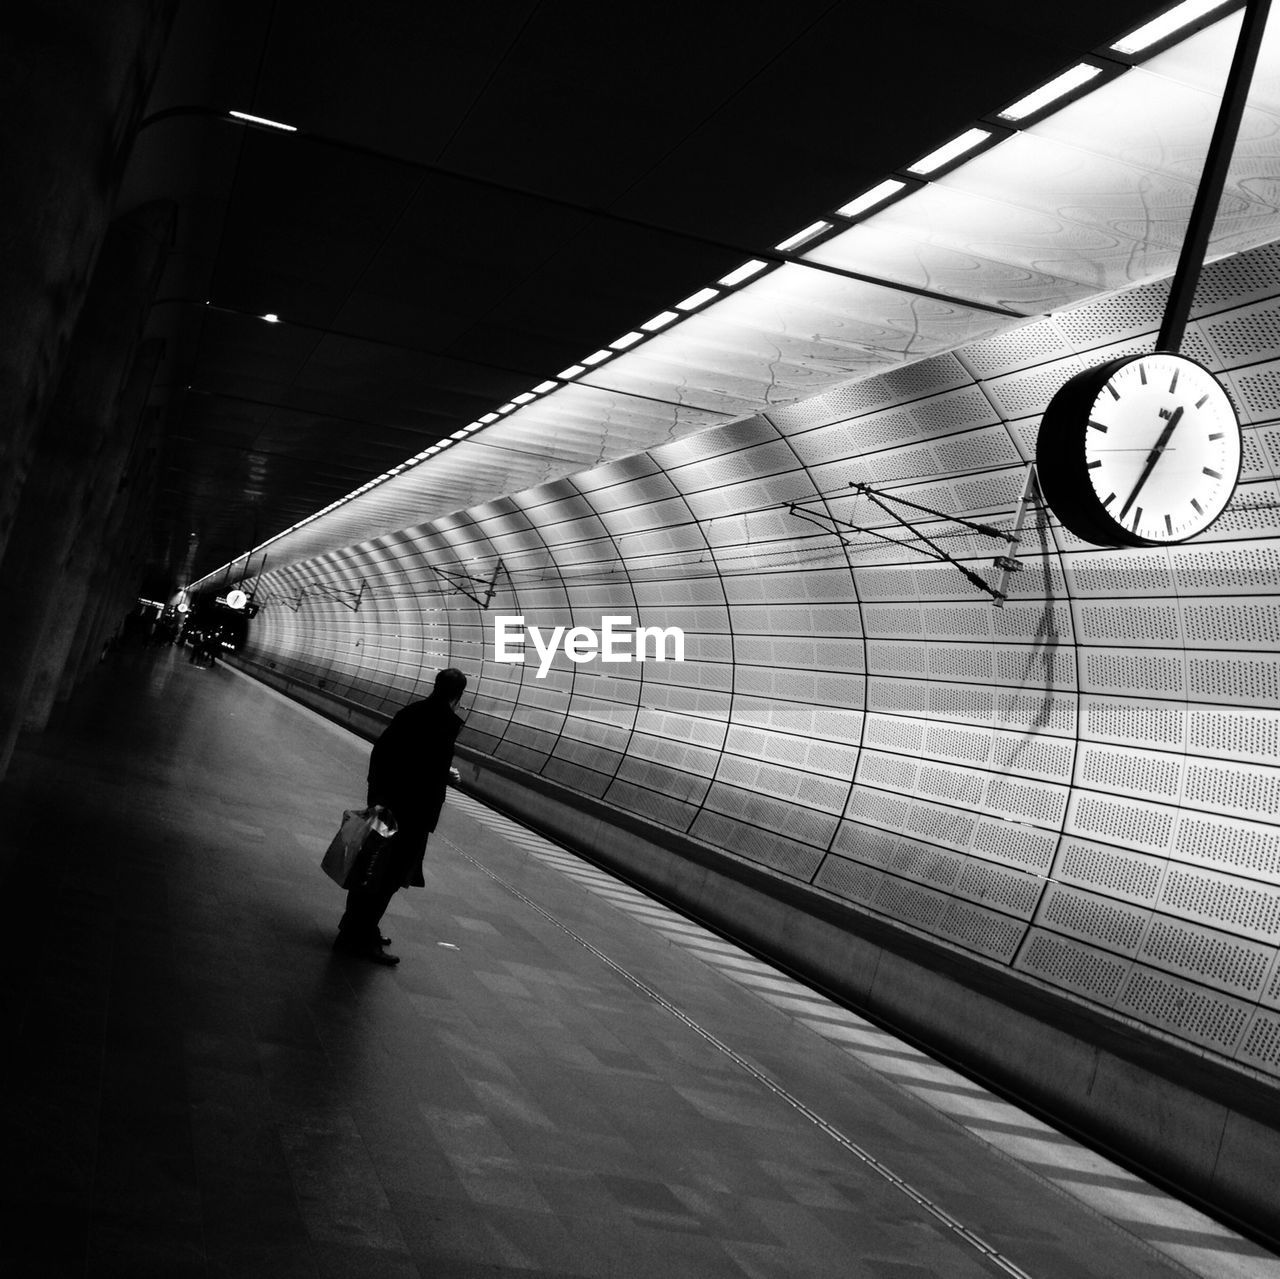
1152,459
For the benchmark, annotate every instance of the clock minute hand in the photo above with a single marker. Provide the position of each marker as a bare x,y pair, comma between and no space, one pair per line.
1152,459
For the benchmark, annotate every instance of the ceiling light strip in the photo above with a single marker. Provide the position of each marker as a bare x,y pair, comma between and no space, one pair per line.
1167,24
1067,84
695,300
879,194
950,152
659,321
806,236
1061,86
246,118
740,275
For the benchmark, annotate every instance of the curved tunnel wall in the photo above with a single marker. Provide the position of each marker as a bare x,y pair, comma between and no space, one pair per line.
1082,786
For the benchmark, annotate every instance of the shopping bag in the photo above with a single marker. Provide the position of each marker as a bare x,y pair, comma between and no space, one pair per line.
361,830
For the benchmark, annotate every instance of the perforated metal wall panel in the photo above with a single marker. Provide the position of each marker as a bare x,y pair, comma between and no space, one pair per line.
1082,785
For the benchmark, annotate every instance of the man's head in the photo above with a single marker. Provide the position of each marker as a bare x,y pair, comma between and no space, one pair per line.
450,684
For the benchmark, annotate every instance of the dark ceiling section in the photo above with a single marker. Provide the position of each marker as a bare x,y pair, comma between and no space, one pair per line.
301,223
481,195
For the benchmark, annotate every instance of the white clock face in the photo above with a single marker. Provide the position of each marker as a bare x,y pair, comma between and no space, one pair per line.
1162,448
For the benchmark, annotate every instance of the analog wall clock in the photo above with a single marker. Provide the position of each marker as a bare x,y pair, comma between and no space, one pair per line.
1140,451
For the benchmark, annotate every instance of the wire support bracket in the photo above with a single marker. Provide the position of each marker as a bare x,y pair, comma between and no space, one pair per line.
469,585
1008,563
337,594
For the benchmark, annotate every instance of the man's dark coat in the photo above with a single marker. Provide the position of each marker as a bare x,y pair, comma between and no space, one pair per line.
409,774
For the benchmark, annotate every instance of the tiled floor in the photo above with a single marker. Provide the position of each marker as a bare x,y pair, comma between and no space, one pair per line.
561,1078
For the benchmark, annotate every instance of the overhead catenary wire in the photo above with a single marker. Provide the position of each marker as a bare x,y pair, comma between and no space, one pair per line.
684,565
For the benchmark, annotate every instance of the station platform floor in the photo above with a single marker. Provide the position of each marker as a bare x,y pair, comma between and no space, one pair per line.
562,1078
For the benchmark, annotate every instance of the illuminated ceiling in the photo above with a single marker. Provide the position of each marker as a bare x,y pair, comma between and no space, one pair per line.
469,213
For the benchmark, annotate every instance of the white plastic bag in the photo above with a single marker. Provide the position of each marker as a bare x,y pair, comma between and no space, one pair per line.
358,827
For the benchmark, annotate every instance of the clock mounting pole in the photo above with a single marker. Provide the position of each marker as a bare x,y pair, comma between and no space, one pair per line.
1214,176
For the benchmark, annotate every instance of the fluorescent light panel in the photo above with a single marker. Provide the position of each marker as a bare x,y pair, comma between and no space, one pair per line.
1068,82
952,150
695,300
811,232
523,398
596,357
744,272
257,119
869,199
659,321
1181,15
626,340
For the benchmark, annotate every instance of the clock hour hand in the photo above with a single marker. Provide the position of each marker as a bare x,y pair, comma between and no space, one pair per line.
1152,459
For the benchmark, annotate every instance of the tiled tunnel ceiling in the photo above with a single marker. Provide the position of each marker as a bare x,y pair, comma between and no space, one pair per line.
480,196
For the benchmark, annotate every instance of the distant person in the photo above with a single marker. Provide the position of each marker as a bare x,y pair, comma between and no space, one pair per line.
204,648
409,771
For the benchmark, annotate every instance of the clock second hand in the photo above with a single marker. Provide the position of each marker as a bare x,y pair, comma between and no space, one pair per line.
1152,460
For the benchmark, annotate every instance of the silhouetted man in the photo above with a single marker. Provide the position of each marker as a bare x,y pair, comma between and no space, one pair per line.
409,770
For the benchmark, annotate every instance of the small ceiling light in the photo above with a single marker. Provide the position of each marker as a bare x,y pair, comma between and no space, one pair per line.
626,340
266,124
523,398
271,318
744,272
597,357
953,150
459,435
489,417
1068,82
506,408
811,232
543,387
1181,15
695,300
869,199
572,371
659,321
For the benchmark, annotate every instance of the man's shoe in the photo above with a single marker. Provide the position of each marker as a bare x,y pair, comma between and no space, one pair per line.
361,950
